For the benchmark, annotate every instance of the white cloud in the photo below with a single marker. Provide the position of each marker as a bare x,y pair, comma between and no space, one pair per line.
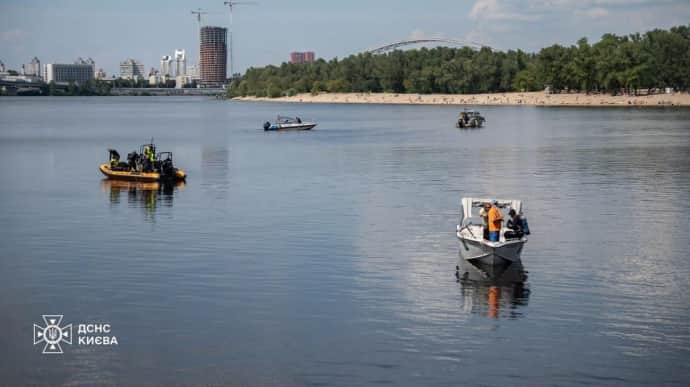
594,13
584,4
493,10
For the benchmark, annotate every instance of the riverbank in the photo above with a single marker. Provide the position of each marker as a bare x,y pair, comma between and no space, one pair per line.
537,98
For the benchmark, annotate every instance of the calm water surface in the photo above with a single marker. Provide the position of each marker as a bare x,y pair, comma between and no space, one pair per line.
328,257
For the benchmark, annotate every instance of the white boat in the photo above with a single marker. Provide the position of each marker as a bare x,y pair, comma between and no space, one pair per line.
289,123
473,245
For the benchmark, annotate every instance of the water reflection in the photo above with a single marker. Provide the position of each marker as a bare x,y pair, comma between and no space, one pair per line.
148,196
215,171
495,291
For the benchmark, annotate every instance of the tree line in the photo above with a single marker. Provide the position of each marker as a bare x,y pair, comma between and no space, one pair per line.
615,64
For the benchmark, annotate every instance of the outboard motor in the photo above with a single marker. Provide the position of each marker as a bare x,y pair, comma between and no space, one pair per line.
267,125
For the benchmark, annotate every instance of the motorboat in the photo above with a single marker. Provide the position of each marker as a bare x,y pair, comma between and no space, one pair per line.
471,230
289,123
139,166
470,119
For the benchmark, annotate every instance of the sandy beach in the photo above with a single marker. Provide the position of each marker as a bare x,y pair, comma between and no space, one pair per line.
516,98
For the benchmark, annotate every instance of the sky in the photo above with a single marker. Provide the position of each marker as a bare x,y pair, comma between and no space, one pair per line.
266,31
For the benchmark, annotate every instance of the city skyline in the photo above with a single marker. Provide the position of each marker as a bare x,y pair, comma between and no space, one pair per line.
157,28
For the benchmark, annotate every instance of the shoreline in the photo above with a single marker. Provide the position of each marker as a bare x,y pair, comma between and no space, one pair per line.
535,98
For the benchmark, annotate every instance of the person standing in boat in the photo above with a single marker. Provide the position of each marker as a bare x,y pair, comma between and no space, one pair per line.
484,214
495,220
149,157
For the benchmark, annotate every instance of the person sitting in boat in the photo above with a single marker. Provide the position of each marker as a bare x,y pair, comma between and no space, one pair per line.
299,120
114,159
515,226
495,220
115,163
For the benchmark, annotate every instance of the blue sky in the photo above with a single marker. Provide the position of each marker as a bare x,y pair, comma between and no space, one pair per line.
265,33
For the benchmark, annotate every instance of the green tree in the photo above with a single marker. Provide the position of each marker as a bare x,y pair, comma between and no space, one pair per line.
71,88
659,58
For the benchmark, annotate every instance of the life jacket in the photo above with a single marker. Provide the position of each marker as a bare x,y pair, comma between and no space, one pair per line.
148,153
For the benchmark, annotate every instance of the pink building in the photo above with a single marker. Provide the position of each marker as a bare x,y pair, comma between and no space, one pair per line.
301,57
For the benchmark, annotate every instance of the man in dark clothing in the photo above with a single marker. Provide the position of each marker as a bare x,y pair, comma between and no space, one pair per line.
515,226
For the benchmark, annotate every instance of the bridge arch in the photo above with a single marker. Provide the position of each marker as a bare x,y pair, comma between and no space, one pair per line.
402,43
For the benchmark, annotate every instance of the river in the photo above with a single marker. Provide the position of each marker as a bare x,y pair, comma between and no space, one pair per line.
328,257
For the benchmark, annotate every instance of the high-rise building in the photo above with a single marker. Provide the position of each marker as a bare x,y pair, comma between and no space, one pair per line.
301,57
89,62
93,65
155,77
34,68
166,60
213,56
193,71
81,71
180,63
131,69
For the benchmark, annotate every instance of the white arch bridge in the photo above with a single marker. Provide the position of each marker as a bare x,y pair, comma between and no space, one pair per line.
402,43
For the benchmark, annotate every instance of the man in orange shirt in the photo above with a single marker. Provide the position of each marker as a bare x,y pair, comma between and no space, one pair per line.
495,220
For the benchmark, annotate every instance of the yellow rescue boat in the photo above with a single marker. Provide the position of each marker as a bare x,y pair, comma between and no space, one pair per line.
140,176
145,166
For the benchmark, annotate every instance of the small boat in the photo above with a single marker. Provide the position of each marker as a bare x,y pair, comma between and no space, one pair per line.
470,119
140,168
474,244
289,123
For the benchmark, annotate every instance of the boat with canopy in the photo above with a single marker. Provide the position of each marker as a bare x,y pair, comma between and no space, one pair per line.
471,231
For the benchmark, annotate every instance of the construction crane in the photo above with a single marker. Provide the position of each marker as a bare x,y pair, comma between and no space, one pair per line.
231,4
198,14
